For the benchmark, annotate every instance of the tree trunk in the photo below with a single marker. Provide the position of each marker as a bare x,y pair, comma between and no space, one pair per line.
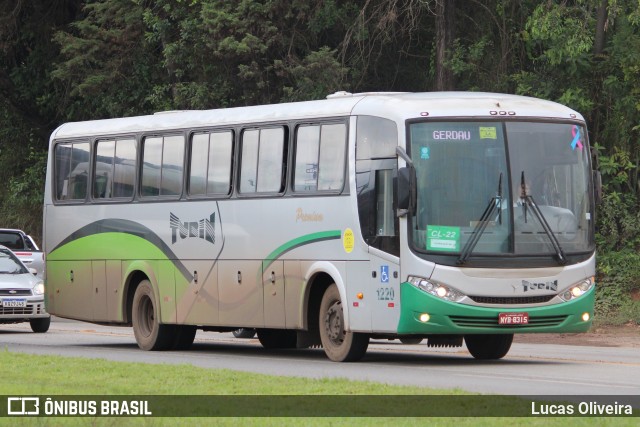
445,33
601,24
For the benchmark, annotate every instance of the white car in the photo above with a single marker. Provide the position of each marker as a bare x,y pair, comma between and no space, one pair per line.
24,247
21,293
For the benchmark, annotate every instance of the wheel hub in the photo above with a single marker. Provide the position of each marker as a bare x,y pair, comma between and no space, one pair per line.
334,325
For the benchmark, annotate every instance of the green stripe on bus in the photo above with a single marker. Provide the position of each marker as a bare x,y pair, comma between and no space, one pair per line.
113,246
297,242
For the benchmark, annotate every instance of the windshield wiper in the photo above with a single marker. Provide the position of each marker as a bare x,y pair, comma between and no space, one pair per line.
531,203
481,225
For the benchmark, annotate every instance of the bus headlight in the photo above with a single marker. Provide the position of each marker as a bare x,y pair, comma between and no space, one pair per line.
577,290
444,292
38,289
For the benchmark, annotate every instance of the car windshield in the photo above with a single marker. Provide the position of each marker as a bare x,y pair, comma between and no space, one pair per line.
9,264
522,188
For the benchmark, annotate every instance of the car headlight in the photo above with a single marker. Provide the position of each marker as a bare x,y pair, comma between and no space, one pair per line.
38,289
441,291
577,290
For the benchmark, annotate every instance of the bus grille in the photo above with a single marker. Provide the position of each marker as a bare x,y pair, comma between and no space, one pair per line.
15,292
489,322
512,300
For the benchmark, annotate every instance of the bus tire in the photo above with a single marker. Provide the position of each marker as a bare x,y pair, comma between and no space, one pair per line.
488,347
411,340
184,336
40,325
339,345
244,333
277,338
149,333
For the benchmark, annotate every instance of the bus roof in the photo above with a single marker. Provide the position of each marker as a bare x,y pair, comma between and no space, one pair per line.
397,106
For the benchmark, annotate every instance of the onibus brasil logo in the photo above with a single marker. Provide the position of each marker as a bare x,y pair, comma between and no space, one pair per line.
203,229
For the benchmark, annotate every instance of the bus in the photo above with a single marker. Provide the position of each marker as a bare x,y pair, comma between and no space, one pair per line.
454,217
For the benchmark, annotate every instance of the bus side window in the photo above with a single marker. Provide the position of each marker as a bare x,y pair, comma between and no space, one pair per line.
210,160
332,156
320,157
162,166
262,164
71,170
376,169
385,219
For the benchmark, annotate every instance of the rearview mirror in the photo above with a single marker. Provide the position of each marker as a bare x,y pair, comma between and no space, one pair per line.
406,189
597,186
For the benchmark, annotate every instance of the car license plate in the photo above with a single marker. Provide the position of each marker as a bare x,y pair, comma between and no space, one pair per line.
15,302
509,319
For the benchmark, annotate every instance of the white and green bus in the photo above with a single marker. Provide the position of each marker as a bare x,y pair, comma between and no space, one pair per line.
446,217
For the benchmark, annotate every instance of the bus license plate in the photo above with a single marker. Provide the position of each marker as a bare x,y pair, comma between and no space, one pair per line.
513,319
14,303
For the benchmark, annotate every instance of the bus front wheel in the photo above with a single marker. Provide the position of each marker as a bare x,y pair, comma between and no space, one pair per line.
488,347
149,333
339,344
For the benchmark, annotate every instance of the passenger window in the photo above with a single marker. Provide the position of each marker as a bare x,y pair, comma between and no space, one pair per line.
307,146
320,157
263,158
162,166
211,155
332,155
71,171
115,168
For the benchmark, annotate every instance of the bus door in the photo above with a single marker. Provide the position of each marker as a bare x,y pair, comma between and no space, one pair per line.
384,245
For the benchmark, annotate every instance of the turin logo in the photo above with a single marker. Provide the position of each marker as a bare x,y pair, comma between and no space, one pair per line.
203,229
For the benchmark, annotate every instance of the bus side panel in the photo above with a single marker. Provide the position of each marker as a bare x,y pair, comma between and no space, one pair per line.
293,295
241,296
114,290
167,291
273,284
197,300
99,294
69,287
358,282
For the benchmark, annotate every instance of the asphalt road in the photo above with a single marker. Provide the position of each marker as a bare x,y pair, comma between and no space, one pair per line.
528,369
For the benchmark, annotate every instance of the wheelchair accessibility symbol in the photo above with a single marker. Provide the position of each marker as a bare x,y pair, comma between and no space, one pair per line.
384,273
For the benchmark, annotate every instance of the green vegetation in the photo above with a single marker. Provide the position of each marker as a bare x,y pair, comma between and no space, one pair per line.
73,60
76,377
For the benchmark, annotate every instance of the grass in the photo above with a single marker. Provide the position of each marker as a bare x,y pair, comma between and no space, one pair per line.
31,375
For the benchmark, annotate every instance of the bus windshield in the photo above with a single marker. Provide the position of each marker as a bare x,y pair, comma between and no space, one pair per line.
522,188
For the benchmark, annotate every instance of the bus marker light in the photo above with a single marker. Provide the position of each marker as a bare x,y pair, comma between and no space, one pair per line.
356,304
586,317
391,305
424,317
360,295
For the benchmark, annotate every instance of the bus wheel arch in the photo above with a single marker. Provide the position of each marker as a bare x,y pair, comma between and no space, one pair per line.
131,284
316,287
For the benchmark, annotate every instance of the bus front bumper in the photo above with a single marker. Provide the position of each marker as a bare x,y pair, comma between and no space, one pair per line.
446,317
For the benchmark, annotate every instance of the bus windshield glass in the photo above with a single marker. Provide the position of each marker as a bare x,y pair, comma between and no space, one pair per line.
501,181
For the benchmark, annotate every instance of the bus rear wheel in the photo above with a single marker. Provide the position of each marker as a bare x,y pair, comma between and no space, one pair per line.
149,333
277,338
488,347
183,337
339,344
